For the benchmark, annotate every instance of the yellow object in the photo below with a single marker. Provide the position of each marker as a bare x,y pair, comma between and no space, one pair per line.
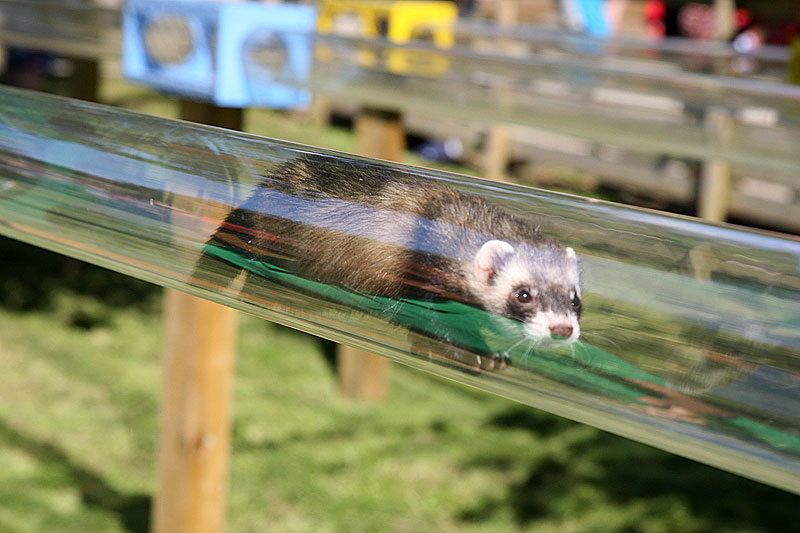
399,21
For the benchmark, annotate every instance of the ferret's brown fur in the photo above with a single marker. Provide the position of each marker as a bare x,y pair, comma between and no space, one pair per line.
378,231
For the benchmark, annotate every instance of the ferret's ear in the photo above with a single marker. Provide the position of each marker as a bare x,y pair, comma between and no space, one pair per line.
490,258
571,254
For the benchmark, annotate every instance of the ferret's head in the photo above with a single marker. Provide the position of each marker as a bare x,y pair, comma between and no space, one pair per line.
538,285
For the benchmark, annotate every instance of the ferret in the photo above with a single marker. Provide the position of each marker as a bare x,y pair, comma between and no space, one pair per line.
375,230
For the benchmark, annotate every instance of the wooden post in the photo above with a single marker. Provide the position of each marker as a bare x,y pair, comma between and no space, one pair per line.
364,375
194,444
224,117
497,151
724,11
506,12
194,440
793,75
380,134
85,81
319,114
84,84
714,194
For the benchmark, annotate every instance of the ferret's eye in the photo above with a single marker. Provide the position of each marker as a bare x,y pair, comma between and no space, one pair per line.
524,295
576,300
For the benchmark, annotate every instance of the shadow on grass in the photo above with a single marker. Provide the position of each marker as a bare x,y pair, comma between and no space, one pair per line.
31,276
133,510
623,474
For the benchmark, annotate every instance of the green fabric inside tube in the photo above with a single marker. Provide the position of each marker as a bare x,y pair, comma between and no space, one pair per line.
580,365
471,328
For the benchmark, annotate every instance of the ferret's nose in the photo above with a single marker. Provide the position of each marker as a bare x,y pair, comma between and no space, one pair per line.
561,330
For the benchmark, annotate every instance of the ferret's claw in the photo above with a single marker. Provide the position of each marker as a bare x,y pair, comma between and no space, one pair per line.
494,361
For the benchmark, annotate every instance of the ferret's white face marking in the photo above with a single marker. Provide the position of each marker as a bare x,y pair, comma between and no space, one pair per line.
553,329
537,285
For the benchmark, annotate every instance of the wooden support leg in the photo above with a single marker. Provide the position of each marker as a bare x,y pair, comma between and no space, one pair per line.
793,68
380,134
724,13
363,375
715,182
224,117
85,82
194,445
194,440
320,111
498,140
498,152
506,13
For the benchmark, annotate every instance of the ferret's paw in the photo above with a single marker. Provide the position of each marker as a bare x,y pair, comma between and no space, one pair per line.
502,360
495,361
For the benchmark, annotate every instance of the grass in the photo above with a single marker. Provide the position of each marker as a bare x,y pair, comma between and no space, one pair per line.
80,352
80,371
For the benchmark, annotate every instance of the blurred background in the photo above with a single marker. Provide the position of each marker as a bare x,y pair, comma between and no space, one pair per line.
81,347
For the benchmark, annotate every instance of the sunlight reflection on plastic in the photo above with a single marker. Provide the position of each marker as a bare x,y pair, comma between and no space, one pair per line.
677,333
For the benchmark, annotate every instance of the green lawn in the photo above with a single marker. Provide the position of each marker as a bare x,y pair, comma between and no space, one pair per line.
80,355
79,369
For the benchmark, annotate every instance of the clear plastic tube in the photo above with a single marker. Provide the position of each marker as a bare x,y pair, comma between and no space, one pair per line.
77,29
690,333
693,55
647,110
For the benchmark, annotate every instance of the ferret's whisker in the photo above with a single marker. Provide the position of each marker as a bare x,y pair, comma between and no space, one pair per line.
590,336
514,346
572,351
